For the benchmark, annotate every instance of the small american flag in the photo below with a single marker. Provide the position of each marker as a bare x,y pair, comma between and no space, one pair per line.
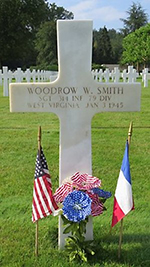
43,201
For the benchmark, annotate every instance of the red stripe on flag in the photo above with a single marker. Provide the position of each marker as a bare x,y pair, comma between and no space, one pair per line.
49,190
85,181
46,198
38,198
33,218
96,206
62,192
36,211
46,209
117,213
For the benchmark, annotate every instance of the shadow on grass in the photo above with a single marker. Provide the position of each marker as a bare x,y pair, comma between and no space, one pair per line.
134,253
135,250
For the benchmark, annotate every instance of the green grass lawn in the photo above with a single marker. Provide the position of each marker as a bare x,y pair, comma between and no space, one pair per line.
18,149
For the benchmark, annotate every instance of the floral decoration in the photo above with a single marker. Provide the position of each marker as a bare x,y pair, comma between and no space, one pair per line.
80,197
101,193
77,206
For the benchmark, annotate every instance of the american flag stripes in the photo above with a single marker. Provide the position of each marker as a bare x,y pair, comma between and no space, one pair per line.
62,192
43,201
97,206
85,181
80,181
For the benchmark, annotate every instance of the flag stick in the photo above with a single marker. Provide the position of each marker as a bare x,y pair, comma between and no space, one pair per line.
130,133
120,239
36,229
121,226
36,239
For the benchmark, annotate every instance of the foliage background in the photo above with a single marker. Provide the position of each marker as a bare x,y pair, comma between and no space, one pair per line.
28,35
18,149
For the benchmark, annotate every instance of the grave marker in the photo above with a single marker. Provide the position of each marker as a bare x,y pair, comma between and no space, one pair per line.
6,78
1,75
28,75
116,75
106,75
18,74
132,74
100,75
145,75
124,76
75,97
38,75
34,75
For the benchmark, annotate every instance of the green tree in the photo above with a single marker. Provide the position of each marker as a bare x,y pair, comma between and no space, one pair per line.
102,50
46,38
137,17
136,47
130,55
116,39
46,45
19,21
58,12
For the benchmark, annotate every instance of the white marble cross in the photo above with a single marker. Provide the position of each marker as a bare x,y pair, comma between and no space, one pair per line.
28,75
106,75
7,76
124,75
18,74
132,74
1,75
145,76
34,75
116,74
75,97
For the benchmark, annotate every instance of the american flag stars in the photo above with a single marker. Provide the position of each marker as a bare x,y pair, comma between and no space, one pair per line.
41,166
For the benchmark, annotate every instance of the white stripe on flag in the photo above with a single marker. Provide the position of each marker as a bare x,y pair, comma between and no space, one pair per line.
47,195
46,171
123,194
34,214
41,197
37,202
49,180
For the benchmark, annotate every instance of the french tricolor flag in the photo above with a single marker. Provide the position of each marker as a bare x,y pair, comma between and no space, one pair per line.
123,200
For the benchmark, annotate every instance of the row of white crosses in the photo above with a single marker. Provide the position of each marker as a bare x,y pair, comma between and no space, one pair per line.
129,75
6,77
115,75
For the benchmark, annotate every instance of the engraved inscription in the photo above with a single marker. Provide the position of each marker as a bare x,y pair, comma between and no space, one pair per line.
67,97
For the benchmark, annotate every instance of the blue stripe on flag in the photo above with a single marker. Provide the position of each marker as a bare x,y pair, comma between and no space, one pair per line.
125,167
